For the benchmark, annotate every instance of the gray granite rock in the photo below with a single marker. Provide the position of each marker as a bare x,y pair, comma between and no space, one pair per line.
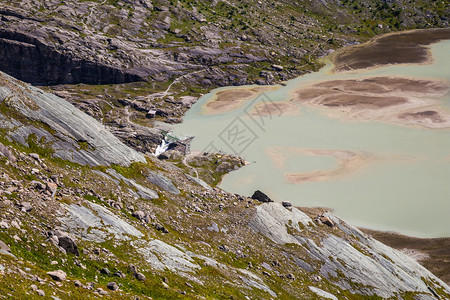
322,293
163,182
143,192
199,182
96,223
73,134
4,247
57,275
369,266
271,219
162,256
7,253
5,151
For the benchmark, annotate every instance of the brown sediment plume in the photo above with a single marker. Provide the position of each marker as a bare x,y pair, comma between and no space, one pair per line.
388,84
394,48
231,99
348,162
401,100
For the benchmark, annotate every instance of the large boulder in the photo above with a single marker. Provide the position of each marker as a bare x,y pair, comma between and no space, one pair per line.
57,275
68,244
4,247
260,196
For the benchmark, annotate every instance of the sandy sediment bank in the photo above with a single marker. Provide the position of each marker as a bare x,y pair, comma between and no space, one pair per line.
401,100
393,48
228,100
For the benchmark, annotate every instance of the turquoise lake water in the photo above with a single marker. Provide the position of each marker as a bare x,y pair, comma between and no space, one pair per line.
403,187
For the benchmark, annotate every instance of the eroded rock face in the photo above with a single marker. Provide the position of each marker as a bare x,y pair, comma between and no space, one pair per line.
53,55
374,267
96,223
72,134
96,42
34,61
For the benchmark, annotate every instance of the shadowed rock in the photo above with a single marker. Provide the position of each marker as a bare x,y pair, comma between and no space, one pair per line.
34,61
260,196
68,244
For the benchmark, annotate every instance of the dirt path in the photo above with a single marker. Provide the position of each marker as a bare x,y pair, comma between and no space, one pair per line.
184,161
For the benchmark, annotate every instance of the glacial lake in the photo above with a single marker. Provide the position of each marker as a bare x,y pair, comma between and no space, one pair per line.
401,184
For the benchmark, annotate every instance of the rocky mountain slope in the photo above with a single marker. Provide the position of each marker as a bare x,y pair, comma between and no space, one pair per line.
109,221
211,43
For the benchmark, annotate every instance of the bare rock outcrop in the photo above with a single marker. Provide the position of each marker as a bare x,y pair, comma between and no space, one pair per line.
72,134
96,223
368,266
34,60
